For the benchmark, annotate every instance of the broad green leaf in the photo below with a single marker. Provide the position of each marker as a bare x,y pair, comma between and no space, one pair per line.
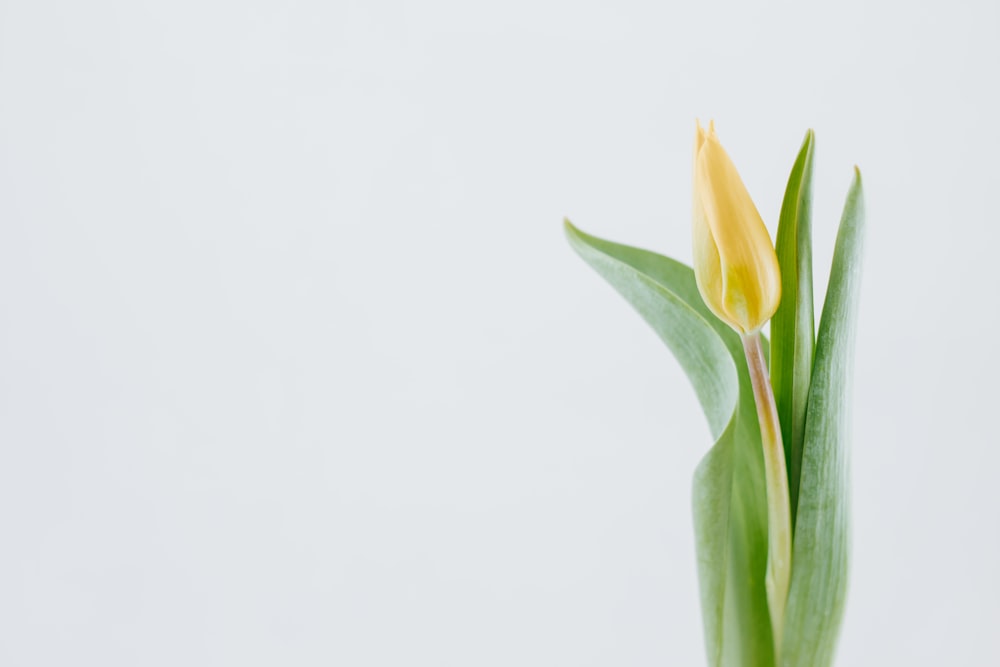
792,327
729,499
730,519
820,553
648,282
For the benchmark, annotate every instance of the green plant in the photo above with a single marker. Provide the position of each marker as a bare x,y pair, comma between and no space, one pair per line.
772,524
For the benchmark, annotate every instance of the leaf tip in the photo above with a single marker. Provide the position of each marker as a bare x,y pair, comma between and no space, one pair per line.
810,138
857,185
570,230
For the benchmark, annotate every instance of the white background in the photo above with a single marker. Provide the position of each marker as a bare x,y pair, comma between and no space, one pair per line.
297,368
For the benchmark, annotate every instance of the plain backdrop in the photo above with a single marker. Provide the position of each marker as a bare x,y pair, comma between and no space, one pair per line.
297,368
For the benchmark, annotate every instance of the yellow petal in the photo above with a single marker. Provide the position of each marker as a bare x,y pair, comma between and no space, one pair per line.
735,263
707,265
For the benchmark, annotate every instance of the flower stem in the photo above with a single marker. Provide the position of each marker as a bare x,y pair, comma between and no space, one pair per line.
779,516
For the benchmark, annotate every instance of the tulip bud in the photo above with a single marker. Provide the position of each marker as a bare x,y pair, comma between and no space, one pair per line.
734,260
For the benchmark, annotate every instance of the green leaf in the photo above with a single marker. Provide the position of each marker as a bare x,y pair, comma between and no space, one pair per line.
792,327
730,508
820,552
730,519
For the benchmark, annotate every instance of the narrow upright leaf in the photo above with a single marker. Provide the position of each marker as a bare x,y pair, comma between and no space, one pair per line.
792,327
822,540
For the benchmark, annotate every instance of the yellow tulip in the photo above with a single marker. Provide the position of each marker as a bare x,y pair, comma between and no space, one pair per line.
737,273
734,260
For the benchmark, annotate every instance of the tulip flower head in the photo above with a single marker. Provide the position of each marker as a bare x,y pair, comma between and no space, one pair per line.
735,264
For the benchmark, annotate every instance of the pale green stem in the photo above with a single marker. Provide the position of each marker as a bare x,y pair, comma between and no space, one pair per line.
779,516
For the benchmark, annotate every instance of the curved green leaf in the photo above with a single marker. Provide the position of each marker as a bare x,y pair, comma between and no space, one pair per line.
792,327
730,509
647,281
820,552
